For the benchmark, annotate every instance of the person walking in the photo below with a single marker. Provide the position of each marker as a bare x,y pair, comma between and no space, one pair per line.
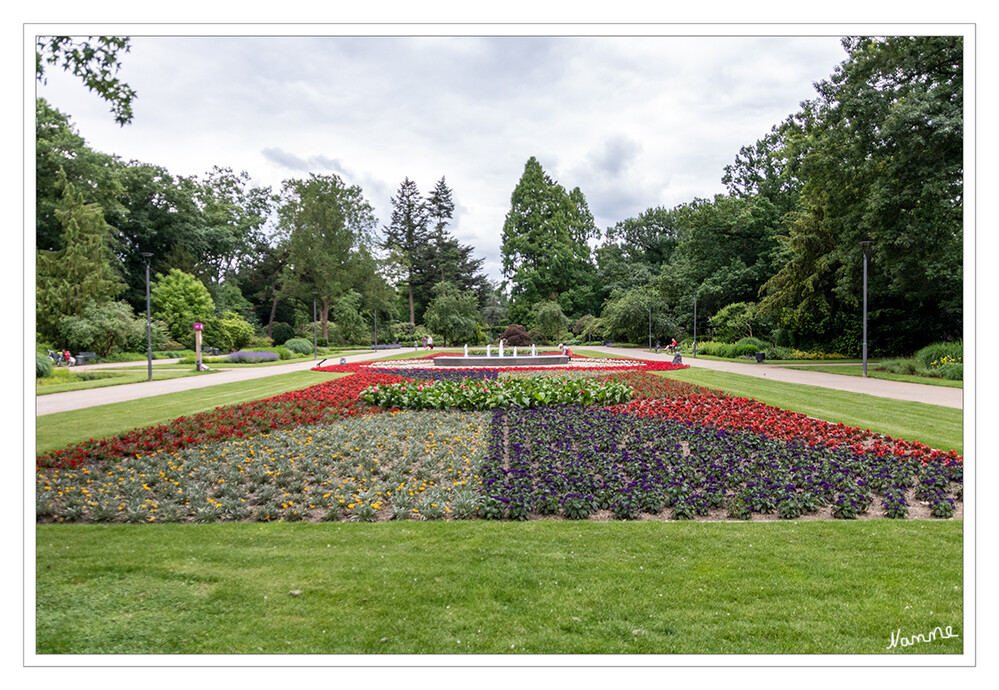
430,342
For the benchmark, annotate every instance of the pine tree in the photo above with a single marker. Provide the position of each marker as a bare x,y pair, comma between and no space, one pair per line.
406,236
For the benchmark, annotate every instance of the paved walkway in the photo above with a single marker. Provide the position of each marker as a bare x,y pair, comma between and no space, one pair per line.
75,400
898,390
915,392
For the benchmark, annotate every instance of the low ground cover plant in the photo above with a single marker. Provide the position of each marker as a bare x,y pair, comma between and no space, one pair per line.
402,465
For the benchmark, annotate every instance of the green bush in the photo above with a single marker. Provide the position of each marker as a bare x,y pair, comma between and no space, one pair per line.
281,333
900,366
778,352
282,352
43,365
299,345
757,344
730,350
941,354
952,372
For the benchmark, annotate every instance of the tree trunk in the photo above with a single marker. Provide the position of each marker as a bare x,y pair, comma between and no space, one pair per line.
270,322
412,310
324,316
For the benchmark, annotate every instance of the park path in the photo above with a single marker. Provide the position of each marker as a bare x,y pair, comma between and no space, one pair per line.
914,392
76,400
898,390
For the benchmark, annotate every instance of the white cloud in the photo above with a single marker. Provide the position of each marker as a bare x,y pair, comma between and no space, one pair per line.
633,122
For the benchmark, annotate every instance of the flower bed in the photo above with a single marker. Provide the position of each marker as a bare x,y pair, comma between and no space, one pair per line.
325,401
675,451
574,462
401,464
468,394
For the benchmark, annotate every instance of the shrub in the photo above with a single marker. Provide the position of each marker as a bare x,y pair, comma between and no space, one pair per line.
281,333
940,354
899,366
244,357
778,352
299,345
43,365
515,334
952,371
757,344
104,329
238,331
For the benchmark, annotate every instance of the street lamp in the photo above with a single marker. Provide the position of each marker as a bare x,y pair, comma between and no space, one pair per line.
695,324
149,321
865,245
650,326
315,335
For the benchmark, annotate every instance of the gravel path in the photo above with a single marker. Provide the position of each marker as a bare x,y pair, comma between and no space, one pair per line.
915,392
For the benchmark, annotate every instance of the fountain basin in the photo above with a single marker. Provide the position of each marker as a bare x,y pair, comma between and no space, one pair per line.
483,361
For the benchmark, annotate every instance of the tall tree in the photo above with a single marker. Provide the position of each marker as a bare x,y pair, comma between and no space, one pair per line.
406,235
62,154
160,215
79,274
440,207
545,250
881,151
330,227
727,250
235,211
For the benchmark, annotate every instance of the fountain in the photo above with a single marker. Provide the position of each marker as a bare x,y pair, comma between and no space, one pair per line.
500,360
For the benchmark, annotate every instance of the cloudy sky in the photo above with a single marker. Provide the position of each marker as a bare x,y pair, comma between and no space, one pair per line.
633,121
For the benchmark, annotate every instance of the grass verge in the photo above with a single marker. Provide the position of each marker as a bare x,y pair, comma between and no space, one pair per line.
61,429
858,370
115,377
936,426
546,587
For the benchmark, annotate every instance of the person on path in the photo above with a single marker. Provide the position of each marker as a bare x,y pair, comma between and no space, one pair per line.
430,342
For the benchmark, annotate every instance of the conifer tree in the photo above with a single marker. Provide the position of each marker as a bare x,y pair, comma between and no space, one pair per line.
79,274
406,235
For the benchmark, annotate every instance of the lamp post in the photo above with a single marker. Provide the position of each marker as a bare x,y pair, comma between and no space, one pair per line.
695,324
865,245
149,321
650,326
315,334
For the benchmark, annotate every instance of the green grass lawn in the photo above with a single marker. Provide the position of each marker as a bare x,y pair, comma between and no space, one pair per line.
115,377
936,426
542,587
858,370
61,429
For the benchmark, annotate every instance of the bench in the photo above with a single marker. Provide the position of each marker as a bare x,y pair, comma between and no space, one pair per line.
83,357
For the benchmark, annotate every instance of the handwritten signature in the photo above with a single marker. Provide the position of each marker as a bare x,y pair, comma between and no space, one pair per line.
937,633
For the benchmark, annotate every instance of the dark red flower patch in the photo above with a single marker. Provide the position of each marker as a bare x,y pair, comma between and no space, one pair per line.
743,414
322,402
